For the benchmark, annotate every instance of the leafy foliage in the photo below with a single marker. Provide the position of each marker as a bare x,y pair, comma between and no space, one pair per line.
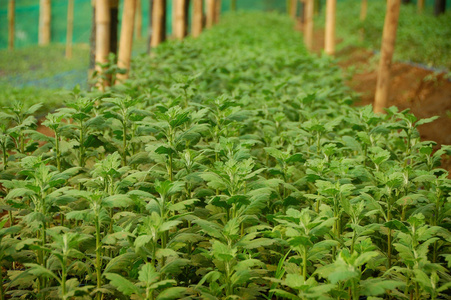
228,167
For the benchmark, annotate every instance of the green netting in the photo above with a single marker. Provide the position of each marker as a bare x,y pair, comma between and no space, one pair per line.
27,18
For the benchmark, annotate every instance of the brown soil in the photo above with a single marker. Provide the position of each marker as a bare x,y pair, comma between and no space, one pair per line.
424,92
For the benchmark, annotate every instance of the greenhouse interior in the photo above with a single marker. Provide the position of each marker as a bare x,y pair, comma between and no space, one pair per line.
225,149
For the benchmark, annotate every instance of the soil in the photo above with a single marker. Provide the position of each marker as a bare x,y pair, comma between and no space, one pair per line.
424,92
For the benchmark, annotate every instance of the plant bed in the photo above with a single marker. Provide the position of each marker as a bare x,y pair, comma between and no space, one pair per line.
233,166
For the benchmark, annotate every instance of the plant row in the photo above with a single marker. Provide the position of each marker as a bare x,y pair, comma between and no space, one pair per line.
228,167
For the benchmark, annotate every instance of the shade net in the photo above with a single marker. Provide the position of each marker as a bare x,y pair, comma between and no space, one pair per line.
27,18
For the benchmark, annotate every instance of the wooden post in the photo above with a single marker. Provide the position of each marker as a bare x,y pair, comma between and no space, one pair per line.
139,19
158,19
210,13
70,28
293,8
92,41
11,17
439,7
329,42
363,10
126,42
387,49
198,15
420,4
308,28
45,11
103,19
114,22
233,5
179,24
217,10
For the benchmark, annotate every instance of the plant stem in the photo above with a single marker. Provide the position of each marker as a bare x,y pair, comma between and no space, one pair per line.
82,149
5,157
304,264
58,154
124,143
98,258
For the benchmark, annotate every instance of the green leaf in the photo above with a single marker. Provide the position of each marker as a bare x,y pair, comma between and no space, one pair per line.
122,284
40,271
375,287
118,201
148,274
172,293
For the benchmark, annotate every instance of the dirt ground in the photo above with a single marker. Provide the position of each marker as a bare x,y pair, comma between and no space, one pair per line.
424,92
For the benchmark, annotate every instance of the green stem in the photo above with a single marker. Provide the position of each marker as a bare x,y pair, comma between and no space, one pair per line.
98,258
22,143
170,167
389,241
58,154
124,143
304,265
63,278
82,148
5,157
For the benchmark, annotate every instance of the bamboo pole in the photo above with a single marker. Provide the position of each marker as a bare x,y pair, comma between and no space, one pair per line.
139,19
126,41
217,10
308,27
103,19
196,26
363,10
329,42
45,11
158,19
233,5
293,8
420,4
70,28
11,21
210,13
179,24
387,49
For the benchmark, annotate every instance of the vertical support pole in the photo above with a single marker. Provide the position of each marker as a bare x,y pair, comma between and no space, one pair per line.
420,4
158,18
70,28
179,24
126,42
387,50
329,44
210,13
139,19
363,10
293,8
233,5
363,14
11,21
92,41
308,28
439,7
103,19
114,22
217,10
198,15
45,14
